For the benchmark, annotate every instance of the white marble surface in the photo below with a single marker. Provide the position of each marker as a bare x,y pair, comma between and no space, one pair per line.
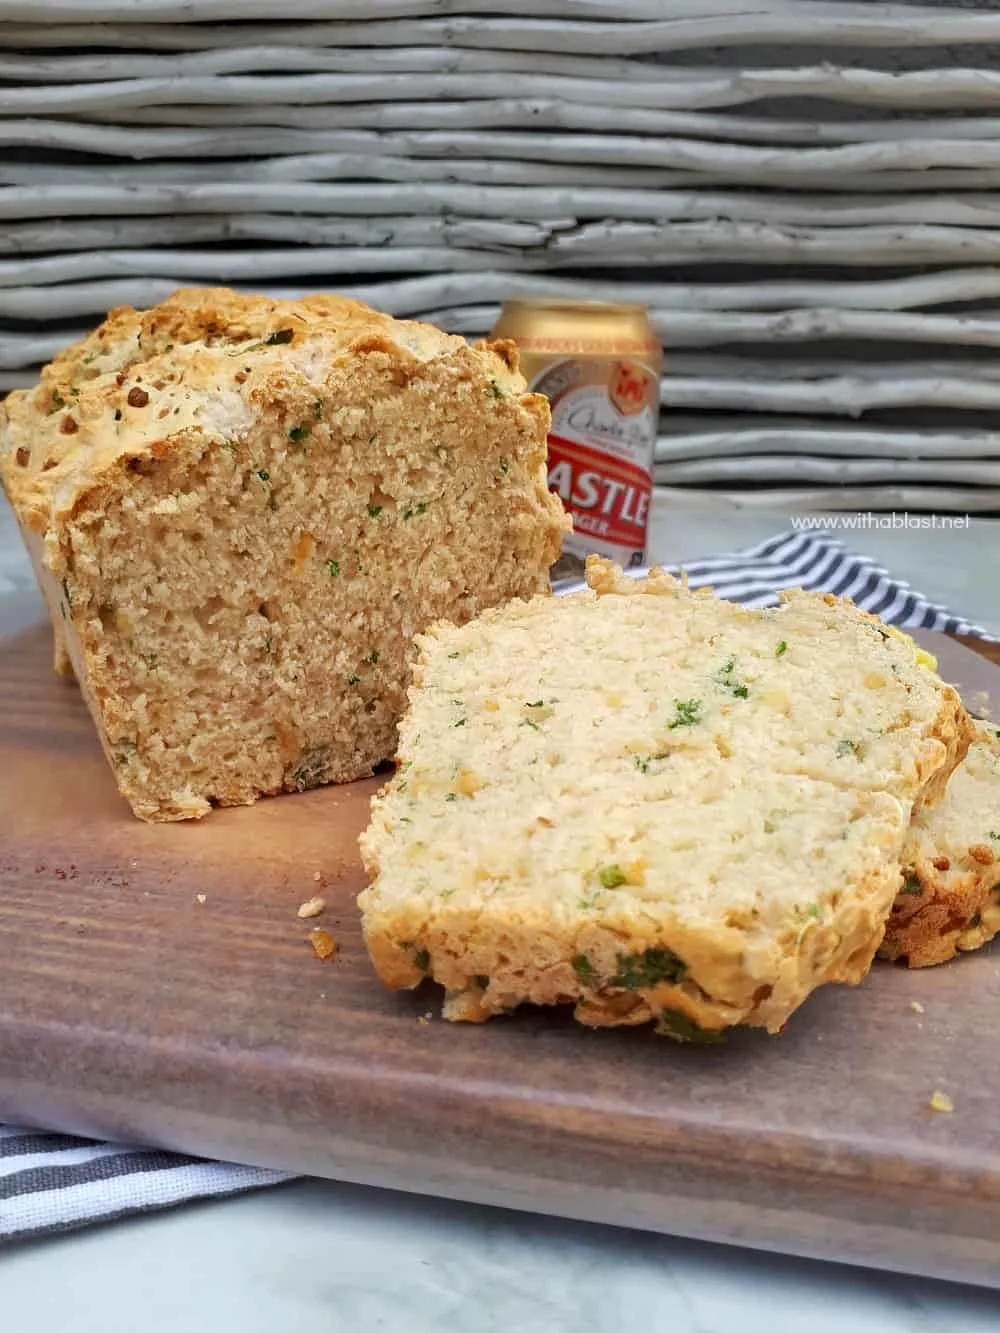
322,1258
318,1258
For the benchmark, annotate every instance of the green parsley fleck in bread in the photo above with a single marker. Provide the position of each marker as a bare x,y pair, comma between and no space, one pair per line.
240,510
950,898
652,804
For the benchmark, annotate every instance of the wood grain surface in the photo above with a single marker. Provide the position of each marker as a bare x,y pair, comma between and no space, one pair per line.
131,1009
991,651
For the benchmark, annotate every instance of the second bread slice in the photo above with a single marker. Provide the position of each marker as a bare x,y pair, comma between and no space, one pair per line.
950,898
652,804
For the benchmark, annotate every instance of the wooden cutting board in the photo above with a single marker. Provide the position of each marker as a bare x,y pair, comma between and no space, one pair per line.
131,1009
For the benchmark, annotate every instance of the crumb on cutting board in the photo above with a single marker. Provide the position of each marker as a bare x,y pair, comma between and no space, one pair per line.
312,907
201,898
323,943
940,1101
916,1006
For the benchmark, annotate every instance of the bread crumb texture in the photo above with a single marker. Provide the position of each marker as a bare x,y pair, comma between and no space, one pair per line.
652,804
950,899
323,943
240,510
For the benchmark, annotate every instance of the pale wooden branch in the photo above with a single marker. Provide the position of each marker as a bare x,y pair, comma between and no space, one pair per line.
690,437
582,146
441,290
844,499
686,328
802,468
660,25
430,185
846,395
635,103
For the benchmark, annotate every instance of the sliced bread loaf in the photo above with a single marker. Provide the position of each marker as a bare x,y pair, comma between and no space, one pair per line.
652,804
950,899
240,510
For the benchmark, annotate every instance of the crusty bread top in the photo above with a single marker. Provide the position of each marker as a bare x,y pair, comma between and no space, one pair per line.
640,769
951,864
201,362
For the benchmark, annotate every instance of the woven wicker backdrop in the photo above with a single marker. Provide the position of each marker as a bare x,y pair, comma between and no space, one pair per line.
806,194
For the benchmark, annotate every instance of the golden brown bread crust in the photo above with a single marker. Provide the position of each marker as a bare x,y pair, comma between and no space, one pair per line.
141,379
836,950
950,899
241,510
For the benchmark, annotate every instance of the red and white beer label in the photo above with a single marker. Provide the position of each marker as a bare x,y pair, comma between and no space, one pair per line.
604,418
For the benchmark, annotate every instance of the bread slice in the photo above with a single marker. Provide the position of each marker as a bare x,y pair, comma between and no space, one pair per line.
950,899
240,510
652,804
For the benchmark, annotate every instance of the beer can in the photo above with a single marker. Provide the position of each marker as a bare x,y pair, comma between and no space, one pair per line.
599,366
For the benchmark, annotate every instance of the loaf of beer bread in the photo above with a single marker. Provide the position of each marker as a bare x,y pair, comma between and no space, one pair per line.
240,510
652,804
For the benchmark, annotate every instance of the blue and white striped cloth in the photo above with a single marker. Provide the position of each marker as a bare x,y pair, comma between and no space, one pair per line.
818,562
53,1182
